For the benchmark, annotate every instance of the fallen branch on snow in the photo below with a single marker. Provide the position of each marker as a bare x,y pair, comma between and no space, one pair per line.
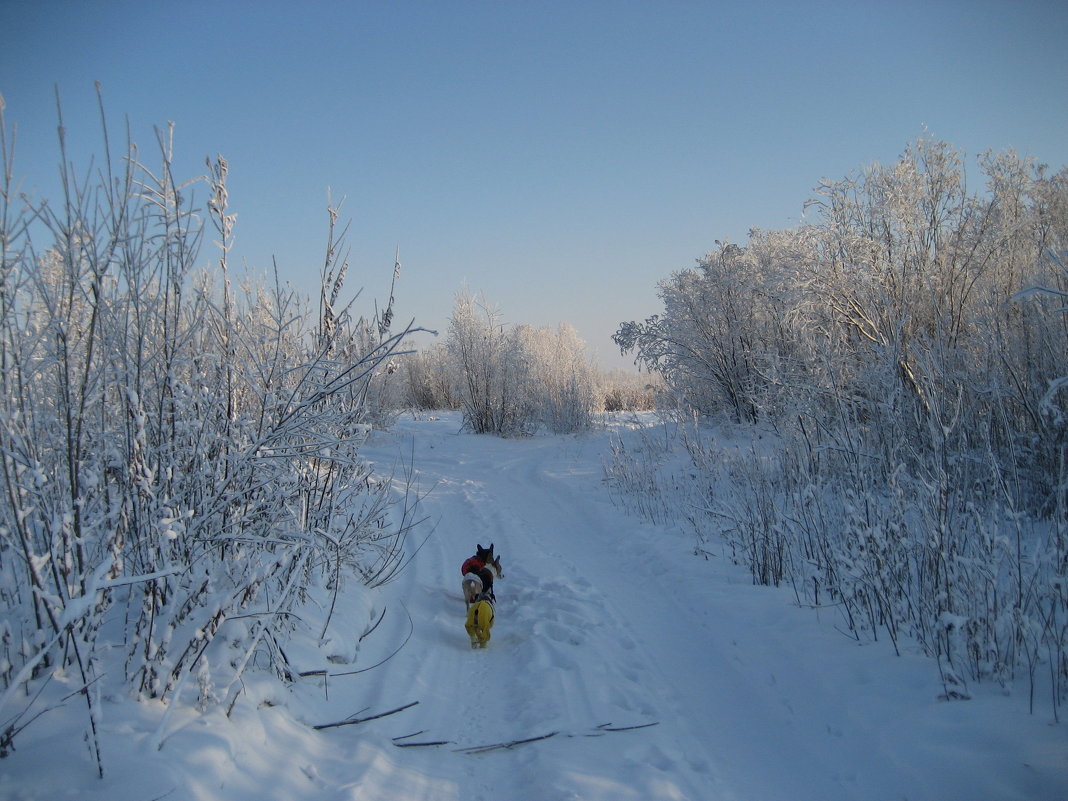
397,740
481,749
610,727
354,721
599,731
422,745
411,631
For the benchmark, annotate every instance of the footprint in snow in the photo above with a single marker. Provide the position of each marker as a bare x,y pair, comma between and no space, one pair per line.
557,632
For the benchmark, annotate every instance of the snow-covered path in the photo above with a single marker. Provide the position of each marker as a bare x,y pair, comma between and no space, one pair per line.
601,619
604,620
564,656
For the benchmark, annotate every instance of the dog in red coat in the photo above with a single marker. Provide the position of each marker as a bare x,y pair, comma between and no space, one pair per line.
478,573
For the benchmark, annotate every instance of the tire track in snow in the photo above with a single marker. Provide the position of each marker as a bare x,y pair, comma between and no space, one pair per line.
636,682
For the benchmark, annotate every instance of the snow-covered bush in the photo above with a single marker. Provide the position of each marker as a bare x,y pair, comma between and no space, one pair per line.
561,380
427,381
725,341
908,346
512,380
180,460
568,392
488,371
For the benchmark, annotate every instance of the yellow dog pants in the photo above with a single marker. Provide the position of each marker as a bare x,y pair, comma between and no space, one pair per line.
479,622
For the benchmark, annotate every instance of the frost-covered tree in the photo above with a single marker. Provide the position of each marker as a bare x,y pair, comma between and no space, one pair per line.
629,391
179,457
562,379
723,340
427,379
512,380
489,372
909,346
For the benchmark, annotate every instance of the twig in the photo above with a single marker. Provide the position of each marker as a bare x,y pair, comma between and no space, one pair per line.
81,689
364,720
411,631
607,727
422,745
397,740
482,749
375,626
599,731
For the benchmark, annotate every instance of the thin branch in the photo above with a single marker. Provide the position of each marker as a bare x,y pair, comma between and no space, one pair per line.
375,626
353,722
482,749
411,631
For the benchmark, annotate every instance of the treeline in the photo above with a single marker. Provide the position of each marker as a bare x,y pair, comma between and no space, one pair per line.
517,380
907,349
179,460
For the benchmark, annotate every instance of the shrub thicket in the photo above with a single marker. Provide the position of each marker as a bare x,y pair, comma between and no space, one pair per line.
179,460
909,346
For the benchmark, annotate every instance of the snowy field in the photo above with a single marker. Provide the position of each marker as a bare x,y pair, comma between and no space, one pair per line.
603,624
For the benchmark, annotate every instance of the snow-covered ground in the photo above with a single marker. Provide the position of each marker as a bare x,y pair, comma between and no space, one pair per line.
603,623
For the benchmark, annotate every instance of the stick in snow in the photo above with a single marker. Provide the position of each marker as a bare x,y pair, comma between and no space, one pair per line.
411,631
481,749
610,727
353,722
422,745
375,626
397,740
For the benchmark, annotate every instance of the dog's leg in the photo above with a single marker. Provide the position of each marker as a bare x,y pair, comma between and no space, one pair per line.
487,624
479,622
471,625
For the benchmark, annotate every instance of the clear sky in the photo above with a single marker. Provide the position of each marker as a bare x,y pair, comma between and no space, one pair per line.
561,157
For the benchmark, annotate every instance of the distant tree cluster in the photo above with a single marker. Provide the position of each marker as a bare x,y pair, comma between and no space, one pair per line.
516,380
909,346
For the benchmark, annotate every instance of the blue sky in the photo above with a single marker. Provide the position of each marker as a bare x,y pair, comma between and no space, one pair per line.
561,157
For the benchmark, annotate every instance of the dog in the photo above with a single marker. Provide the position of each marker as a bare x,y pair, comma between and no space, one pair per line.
478,573
479,621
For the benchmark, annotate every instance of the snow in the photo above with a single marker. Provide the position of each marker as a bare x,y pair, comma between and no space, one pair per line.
601,619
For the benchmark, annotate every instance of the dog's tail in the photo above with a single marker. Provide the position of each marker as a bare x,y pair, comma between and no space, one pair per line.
472,588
